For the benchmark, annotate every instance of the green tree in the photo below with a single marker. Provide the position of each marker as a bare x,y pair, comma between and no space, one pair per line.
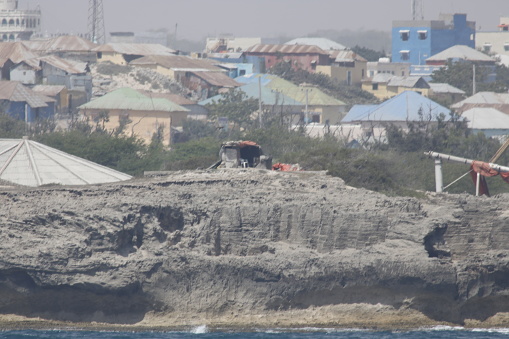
368,53
460,74
237,107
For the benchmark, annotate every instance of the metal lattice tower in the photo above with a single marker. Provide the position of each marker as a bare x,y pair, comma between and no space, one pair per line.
417,10
96,29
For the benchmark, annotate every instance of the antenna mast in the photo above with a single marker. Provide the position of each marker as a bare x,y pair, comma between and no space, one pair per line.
96,29
417,10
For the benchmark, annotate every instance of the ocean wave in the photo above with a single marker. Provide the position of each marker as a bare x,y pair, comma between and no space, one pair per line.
202,329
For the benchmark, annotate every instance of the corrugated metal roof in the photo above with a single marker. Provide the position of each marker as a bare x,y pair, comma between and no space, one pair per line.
490,98
217,79
48,90
64,43
29,163
131,100
176,62
287,49
15,91
135,49
346,56
69,66
175,98
323,43
16,52
403,107
444,88
381,78
269,96
315,96
486,118
460,52
408,82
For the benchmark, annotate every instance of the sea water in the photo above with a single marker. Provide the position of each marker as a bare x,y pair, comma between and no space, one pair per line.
202,332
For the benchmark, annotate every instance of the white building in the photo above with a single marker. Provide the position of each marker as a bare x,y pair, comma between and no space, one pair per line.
494,42
16,24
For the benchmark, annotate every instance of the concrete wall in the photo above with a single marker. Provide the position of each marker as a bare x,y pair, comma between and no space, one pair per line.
340,73
493,42
143,124
25,74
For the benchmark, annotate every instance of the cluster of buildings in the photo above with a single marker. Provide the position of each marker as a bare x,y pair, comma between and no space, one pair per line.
43,78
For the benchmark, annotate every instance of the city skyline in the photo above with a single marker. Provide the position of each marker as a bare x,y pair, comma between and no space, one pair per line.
197,19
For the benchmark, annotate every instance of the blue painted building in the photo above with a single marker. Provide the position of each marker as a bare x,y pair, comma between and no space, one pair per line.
416,40
22,103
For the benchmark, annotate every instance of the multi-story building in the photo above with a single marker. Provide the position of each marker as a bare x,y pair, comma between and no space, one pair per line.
16,24
416,40
495,42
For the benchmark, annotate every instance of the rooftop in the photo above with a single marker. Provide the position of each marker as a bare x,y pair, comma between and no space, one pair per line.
323,43
135,49
29,163
287,49
131,100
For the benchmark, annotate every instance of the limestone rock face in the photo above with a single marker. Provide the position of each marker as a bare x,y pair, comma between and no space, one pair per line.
244,241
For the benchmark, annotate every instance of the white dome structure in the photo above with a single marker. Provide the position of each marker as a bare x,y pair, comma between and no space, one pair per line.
29,163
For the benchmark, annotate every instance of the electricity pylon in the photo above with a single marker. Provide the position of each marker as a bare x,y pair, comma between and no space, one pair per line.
96,29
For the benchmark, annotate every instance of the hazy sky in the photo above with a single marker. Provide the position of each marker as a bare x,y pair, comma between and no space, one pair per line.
267,18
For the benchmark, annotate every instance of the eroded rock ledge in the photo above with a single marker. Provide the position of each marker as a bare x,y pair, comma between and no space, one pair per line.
227,244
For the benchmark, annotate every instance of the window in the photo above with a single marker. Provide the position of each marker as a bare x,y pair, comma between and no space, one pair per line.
486,47
4,22
402,73
375,86
423,35
348,77
506,46
404,34
405,55
315,118
242,72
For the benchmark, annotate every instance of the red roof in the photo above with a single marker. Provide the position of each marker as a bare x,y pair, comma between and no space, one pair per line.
285,49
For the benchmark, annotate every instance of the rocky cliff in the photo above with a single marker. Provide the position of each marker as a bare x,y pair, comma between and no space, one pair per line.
242,244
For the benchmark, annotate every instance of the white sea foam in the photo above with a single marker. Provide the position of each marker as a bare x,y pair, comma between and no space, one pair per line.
445,328
492,330
200,329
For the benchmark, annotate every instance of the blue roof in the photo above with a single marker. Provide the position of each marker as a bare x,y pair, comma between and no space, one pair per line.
403,107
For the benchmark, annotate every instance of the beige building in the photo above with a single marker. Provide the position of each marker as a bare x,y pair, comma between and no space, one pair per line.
384,85
384,65
494,42
141,114
346,66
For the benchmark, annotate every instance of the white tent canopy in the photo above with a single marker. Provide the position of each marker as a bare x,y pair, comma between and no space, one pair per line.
29,163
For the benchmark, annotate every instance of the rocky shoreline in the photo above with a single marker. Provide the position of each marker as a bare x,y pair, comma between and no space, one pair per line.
250,249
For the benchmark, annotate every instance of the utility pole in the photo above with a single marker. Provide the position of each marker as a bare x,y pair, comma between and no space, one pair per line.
260,116
96,29
474,89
